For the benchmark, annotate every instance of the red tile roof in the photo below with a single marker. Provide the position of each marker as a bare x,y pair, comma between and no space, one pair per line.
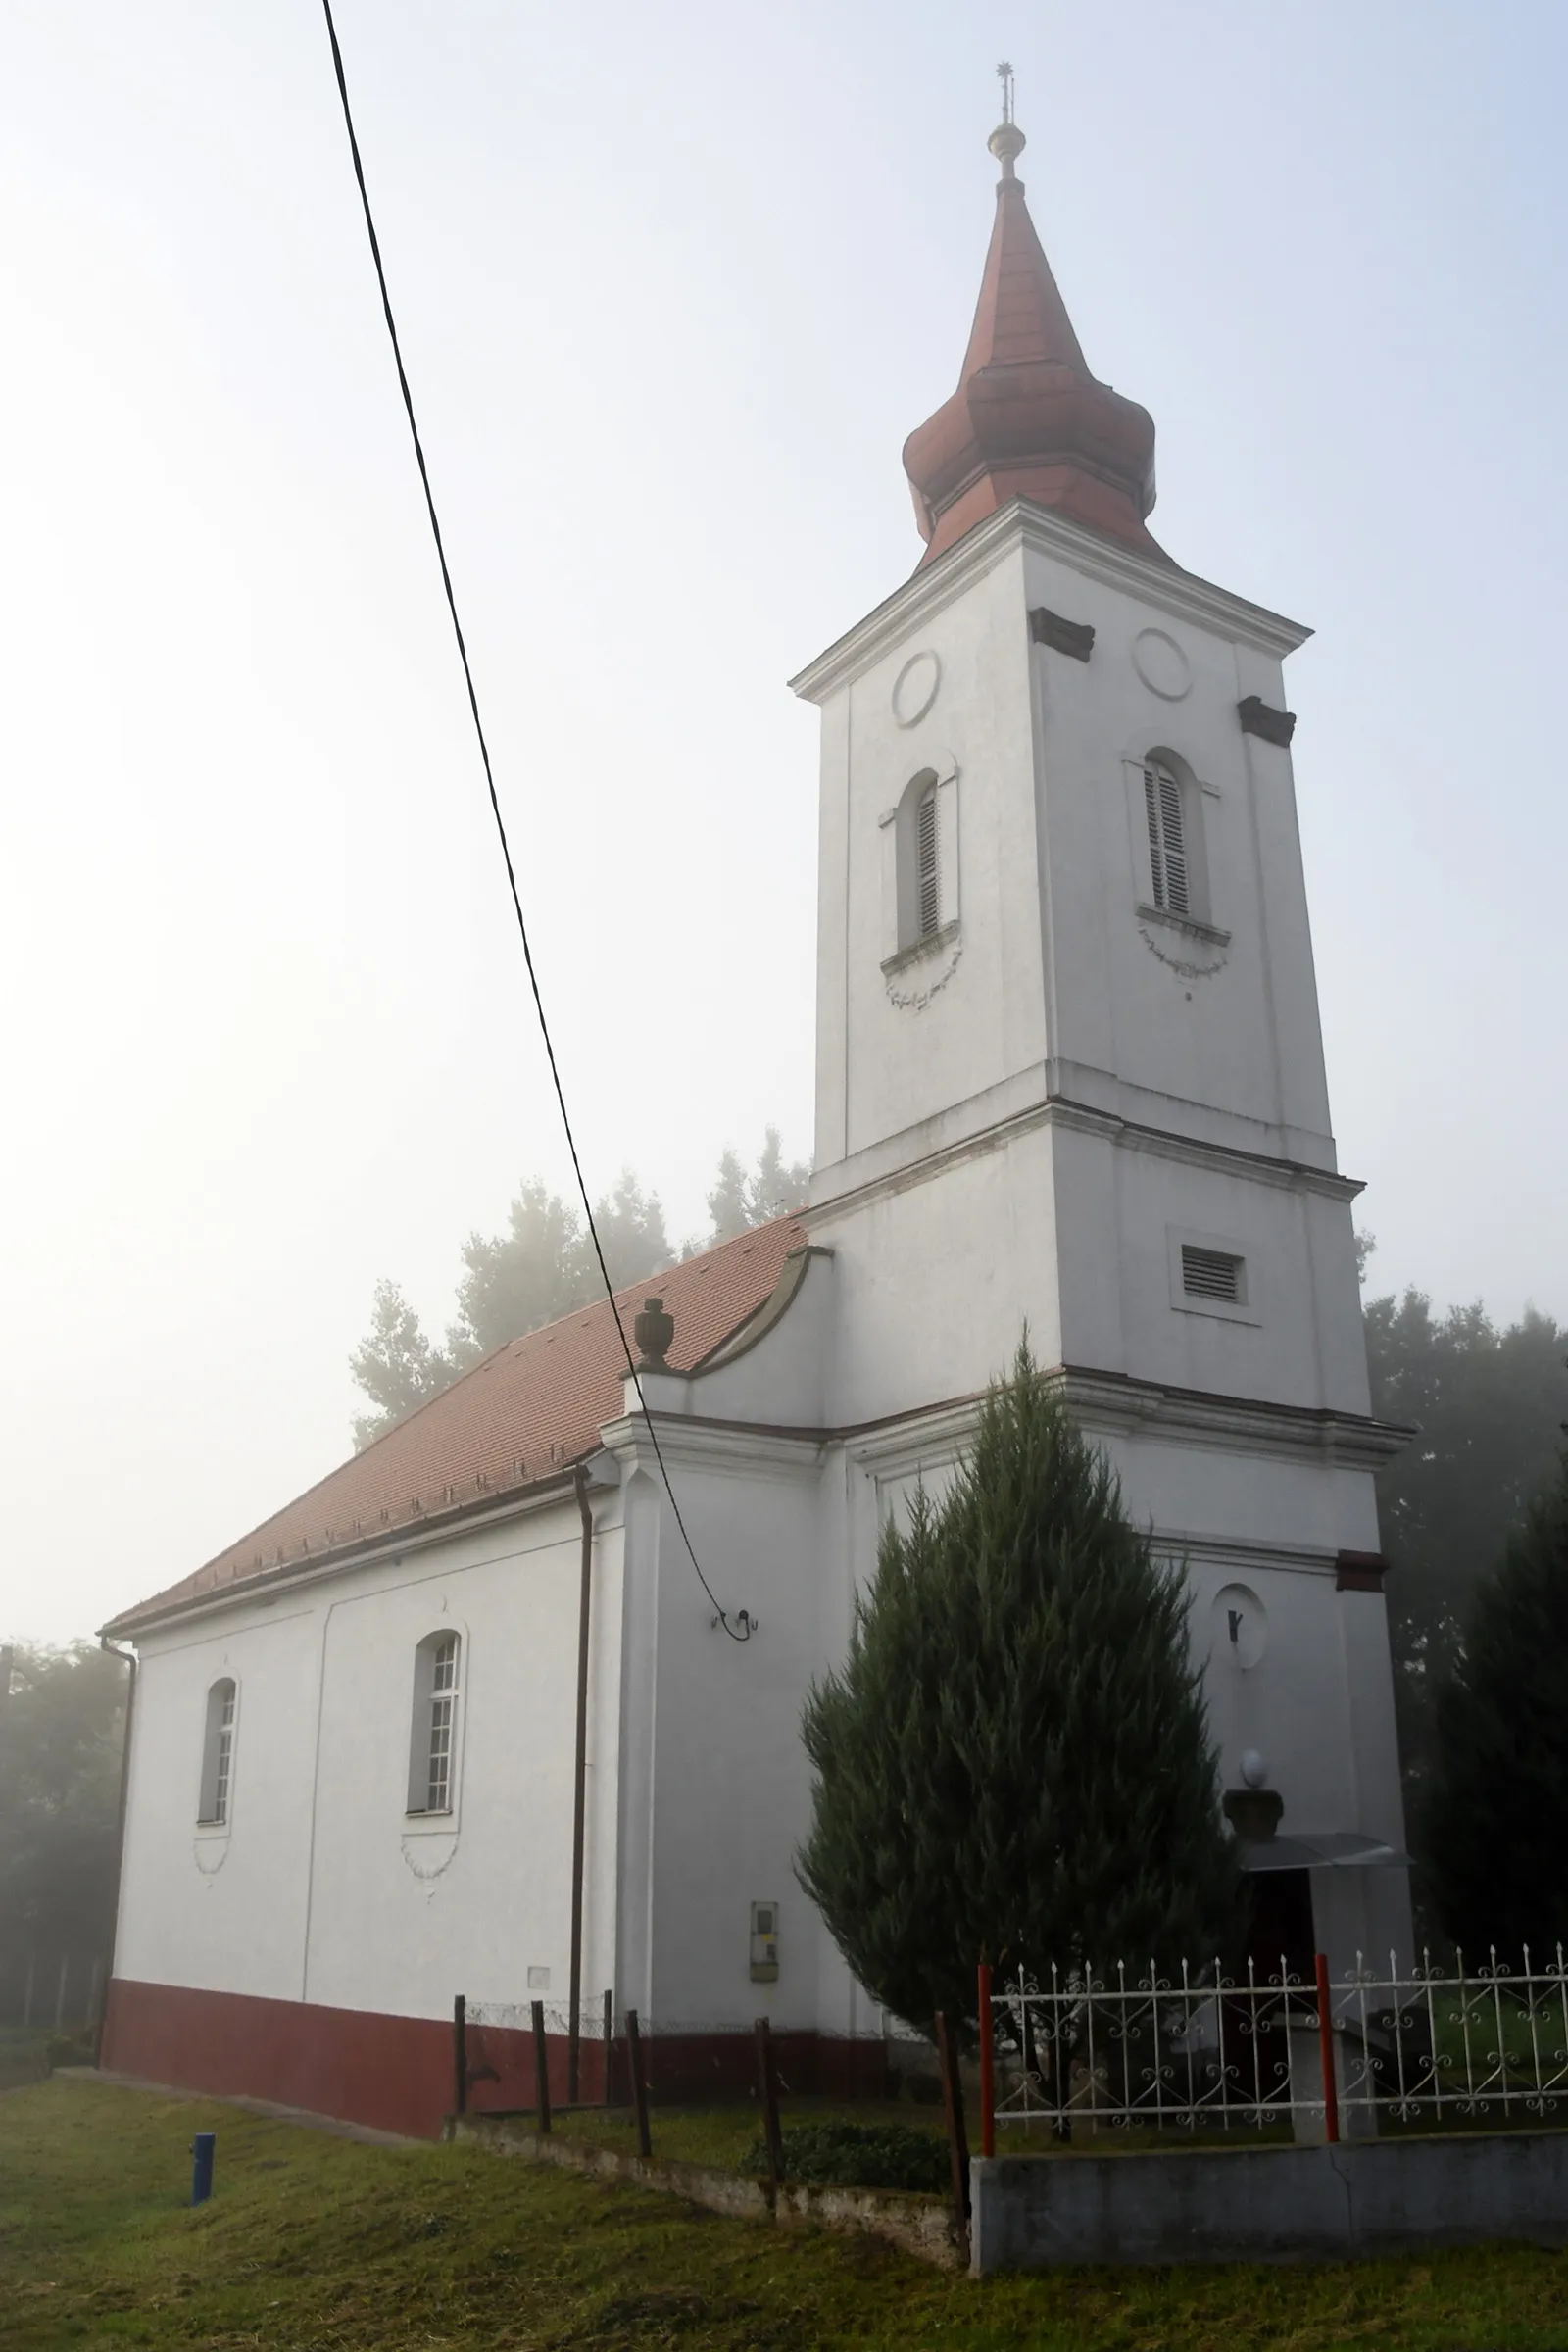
522,1415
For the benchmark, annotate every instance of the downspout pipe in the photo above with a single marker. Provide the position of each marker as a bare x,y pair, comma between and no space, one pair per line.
129,1656
580,1795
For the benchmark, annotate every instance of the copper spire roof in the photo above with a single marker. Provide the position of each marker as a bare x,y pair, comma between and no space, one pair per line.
1028,420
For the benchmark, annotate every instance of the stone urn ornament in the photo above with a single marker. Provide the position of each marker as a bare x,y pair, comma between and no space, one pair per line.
653,1330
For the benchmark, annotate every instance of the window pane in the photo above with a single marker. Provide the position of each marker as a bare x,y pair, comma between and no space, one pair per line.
439,1782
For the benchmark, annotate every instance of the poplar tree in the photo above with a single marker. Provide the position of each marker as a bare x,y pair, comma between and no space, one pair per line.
1014,1763
1496,1828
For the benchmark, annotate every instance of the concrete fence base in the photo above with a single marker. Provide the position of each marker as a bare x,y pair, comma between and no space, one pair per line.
1270,2204
922,2226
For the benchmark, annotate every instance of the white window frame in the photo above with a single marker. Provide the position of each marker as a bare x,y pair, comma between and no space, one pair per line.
214,1805
1147,812
435,1726
1243,1309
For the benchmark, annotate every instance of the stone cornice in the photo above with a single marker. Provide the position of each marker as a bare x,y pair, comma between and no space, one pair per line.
1115,1403
729,1448
1180,593
1103,1403
1289,1175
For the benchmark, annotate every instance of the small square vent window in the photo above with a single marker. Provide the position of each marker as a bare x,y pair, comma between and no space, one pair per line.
1213,1274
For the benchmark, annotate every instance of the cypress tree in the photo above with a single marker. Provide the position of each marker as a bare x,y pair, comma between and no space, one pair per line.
1497,1820
1014,1762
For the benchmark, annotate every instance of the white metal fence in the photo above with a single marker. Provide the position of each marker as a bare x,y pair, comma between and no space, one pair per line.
1314,2057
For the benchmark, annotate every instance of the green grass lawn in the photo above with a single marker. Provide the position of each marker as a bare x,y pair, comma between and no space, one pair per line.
316,2245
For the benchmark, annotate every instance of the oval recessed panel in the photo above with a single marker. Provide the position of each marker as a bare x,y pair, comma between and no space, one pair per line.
1161,665
914,689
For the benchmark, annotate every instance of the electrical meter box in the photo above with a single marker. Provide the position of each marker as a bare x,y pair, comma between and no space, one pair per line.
764,1943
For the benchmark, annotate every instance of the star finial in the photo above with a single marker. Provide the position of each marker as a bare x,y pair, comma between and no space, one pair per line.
1004,77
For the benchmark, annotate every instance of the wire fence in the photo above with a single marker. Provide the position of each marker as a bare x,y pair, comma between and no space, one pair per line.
1083,2053
45,1989
505,2051
540,2067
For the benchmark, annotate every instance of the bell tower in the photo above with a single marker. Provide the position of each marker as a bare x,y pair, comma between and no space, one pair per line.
1069,1061
1065,980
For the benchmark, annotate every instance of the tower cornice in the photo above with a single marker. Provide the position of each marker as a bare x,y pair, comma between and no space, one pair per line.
1022,523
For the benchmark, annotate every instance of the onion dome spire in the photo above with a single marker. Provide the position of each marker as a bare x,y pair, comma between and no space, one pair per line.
1028,420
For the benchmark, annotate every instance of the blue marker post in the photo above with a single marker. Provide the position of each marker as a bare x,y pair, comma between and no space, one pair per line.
203,2148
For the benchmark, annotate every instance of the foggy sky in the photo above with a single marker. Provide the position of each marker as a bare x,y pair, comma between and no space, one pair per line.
674,285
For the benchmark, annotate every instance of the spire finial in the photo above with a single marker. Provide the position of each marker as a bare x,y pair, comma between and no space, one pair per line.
1007,141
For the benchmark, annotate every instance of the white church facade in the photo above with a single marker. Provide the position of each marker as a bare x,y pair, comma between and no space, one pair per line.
463,1711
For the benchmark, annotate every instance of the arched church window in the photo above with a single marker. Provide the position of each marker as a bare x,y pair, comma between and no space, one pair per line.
432,1744
218,1753
1168,855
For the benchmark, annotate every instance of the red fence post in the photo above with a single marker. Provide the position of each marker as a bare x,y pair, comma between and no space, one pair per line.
1325,2036
988,2086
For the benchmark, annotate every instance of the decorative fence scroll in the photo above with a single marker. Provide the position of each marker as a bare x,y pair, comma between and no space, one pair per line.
1088,2052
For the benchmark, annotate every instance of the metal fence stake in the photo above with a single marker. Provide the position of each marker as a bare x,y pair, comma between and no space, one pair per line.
608,2045
1325,2036
541,2064
988,2086
203,2150
767,2087
639,2089
460,2055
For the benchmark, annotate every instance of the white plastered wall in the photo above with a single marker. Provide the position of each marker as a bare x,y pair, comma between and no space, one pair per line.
323,1888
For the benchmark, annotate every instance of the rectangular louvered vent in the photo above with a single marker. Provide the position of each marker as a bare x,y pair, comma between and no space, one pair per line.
1213,1274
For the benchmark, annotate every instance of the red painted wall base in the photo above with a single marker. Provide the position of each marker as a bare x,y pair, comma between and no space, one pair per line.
395,2073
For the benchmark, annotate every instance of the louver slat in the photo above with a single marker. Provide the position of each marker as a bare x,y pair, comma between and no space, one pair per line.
1157,860
926,859
1167,843
1212,1274
1170,813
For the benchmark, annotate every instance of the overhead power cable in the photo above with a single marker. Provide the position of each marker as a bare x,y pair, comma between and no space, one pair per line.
743,1619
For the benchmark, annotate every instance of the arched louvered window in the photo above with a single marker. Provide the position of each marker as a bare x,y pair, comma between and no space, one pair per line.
922,825
1168,838
928,881
433,1732
217,1754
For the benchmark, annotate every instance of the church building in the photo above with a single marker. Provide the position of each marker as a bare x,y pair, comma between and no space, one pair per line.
463,1720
